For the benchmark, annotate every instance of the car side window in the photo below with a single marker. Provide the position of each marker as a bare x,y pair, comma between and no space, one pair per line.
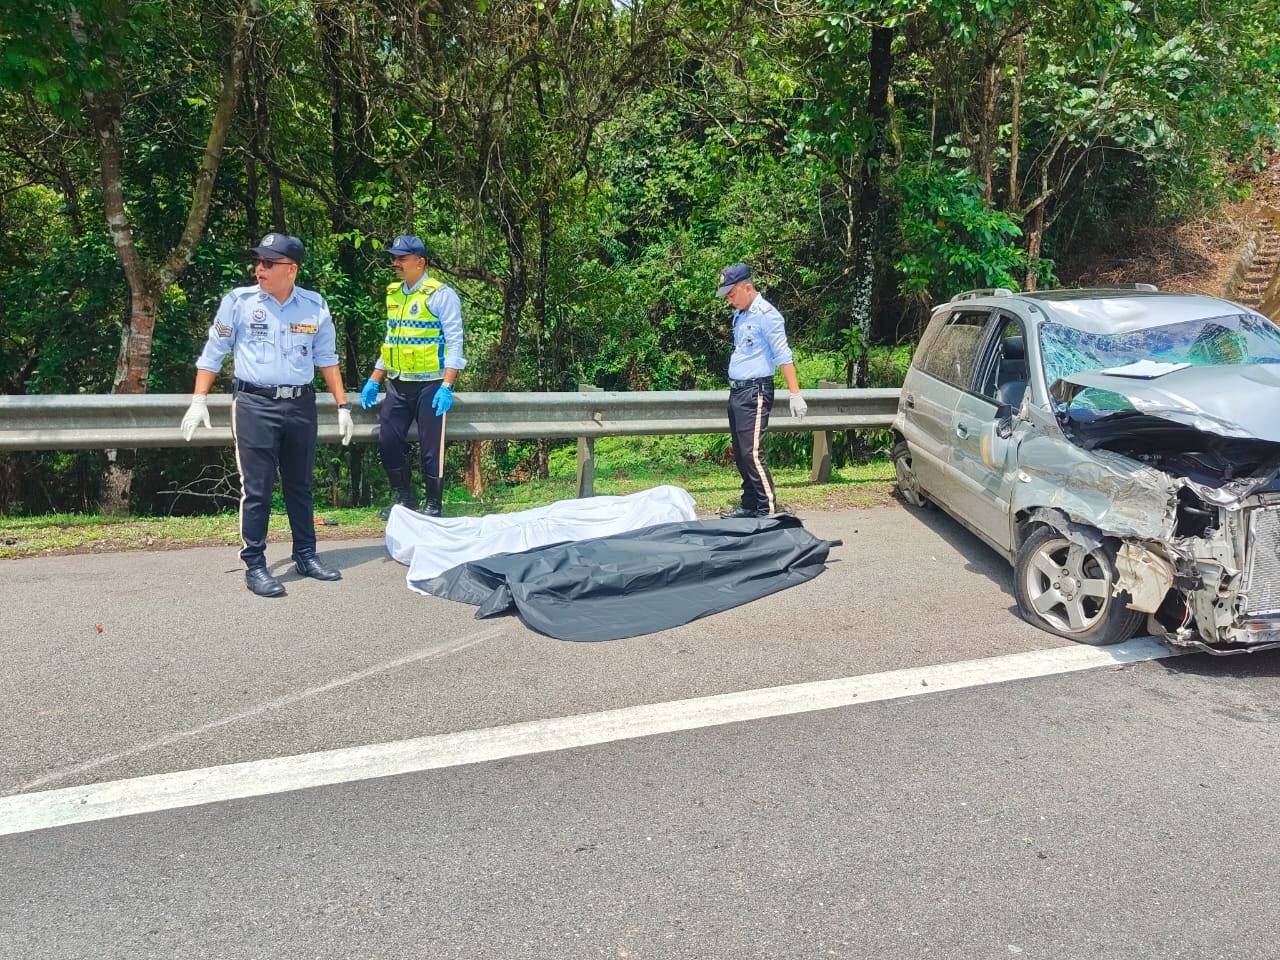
951,353
1002,372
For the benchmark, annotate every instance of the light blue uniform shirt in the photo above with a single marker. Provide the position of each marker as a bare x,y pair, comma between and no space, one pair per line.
759,341
447,308
276,344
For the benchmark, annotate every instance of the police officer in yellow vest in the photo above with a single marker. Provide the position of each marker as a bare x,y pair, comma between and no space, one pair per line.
419,362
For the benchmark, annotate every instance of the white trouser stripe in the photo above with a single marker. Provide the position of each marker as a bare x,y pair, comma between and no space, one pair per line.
755,451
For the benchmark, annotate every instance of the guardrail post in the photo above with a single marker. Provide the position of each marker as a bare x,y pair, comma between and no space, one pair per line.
587,455
821,471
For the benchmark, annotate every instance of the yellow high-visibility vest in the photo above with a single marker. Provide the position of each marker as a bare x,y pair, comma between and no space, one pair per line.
414,342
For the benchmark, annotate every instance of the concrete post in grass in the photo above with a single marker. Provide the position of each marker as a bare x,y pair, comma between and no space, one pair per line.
821,471
586,455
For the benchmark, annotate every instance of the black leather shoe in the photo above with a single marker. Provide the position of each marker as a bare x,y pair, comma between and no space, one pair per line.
263,583
309,565
744,513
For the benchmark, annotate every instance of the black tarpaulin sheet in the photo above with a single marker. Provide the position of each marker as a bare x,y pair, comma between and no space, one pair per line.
639,582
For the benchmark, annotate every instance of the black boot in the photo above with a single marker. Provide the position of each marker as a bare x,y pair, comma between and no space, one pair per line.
310,565
402,483
434,487
261,582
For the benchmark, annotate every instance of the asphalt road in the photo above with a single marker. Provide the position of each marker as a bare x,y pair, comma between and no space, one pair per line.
1121,812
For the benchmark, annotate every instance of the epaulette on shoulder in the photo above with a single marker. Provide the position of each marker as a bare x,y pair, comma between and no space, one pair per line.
239,293
311,295
393,287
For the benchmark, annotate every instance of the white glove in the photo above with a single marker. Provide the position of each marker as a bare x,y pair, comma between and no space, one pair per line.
196,414
798,407
346,426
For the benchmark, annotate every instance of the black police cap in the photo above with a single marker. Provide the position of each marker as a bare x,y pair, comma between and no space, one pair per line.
731,276
280,246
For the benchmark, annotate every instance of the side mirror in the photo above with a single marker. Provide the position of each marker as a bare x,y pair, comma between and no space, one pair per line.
1004,421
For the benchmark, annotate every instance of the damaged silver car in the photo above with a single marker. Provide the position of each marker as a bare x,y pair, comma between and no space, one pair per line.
1121,448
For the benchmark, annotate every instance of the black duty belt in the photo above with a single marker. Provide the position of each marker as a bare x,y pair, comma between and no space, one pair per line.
279,392
758,381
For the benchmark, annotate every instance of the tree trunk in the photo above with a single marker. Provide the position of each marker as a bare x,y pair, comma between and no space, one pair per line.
987,129
514,296
146,281
1015,122
865,301
548,361
261,144
252,227
10,481
1035,235
1035,229
347,161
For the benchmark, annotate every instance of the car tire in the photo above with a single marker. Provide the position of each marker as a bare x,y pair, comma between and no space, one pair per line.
907,480
1065,589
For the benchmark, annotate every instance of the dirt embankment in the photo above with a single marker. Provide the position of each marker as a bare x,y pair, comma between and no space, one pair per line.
1200,256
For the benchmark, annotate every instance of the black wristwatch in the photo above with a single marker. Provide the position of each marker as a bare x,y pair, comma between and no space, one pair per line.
344,406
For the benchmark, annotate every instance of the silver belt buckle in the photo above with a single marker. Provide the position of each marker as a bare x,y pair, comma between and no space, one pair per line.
286,392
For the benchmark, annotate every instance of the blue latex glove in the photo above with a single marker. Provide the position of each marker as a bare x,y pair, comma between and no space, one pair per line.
369,393
443,400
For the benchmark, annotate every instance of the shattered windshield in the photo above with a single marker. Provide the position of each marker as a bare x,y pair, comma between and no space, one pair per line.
1235,339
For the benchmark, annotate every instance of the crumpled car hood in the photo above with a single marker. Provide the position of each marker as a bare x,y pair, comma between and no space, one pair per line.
1231,400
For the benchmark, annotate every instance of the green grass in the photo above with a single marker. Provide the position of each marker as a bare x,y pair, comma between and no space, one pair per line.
623,470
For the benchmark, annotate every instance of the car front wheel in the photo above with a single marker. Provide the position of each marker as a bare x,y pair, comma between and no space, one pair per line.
1066,589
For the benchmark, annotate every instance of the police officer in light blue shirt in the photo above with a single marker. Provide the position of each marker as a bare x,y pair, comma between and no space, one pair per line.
279,334
759,348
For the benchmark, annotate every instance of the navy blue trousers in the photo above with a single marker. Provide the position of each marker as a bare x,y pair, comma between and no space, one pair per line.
749,408
405,402
274,435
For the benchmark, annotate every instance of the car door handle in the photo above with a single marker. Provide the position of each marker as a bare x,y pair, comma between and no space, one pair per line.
962,431
911,402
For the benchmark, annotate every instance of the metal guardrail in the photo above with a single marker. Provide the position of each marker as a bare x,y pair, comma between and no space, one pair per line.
99,422
80,422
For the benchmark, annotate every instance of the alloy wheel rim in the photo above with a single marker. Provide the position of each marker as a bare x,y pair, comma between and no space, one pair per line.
907,481
1068,585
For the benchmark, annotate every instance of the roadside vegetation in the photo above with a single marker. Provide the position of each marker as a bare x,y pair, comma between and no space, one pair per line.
580,172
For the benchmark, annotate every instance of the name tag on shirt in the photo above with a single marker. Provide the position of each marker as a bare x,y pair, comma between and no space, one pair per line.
258,331
303,327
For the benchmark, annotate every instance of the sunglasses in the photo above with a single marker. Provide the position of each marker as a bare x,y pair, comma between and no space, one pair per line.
268,264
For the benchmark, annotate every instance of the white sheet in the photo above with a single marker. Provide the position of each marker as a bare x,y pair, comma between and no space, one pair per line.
431,545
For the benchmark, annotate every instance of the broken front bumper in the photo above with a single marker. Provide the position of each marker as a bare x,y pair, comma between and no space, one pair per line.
1235,605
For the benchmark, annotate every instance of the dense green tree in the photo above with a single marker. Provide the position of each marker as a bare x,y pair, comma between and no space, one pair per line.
580,169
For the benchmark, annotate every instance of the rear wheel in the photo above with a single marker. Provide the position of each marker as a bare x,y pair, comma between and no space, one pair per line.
908,482
1066,589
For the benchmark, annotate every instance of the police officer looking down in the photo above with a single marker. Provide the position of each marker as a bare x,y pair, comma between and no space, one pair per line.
759,348
419,362
279,334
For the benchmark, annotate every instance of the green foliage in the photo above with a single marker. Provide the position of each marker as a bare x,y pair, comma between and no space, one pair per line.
951,238
582,171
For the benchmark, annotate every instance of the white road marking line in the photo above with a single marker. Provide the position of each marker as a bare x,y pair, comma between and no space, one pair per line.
453,645
168,791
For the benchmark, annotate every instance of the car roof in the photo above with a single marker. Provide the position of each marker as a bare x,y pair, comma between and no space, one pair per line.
1105,311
